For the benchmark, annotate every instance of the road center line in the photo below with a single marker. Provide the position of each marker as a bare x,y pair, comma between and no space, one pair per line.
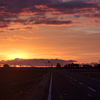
92,89
71,82
81,83
75,80
89,95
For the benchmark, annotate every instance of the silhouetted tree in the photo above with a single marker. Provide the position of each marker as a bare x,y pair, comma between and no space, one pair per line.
90,67
76,66
6,66
58,65
98,66
69,65
66,66
86,66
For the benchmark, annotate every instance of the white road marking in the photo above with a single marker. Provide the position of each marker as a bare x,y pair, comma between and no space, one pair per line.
70,77
81,83
49,94
92,89
89,95
75,80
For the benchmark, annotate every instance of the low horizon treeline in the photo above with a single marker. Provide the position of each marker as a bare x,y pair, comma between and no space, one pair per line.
77,66
67,66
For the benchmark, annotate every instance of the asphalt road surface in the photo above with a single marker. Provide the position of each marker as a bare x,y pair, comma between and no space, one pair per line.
71,86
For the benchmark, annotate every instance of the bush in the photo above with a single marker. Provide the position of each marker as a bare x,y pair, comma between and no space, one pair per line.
6,66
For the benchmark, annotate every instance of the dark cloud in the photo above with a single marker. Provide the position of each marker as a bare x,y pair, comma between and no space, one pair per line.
95,15
4,31
77,16
22,21
10,9
12,29
16,6
3,25
25,28
74,5
28,28
37,62
54,22
47,21
40,14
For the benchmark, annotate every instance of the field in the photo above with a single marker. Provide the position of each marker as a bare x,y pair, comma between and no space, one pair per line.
24,84
89,73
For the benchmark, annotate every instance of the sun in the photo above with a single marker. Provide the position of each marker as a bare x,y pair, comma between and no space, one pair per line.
14,56
20,55
17,66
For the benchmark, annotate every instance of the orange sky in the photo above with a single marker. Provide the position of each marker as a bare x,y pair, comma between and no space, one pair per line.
50,30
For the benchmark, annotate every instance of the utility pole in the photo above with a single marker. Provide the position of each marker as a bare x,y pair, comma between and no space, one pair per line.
49,63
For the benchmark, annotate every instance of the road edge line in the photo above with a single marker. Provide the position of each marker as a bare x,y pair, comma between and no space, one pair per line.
50,87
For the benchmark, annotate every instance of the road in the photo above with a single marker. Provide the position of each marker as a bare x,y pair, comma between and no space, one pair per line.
71,86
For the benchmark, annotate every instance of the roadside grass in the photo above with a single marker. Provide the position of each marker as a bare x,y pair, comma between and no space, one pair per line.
41,91
24,84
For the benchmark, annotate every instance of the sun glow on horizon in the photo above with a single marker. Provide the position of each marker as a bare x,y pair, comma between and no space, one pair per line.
17,66
17,55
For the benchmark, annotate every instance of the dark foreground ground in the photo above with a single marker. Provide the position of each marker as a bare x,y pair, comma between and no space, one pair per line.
23,84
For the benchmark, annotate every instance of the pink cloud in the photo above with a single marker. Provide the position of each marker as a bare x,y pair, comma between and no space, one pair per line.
89,23
94,22
93,1
23,37
19,37
44,7
6,38
2,31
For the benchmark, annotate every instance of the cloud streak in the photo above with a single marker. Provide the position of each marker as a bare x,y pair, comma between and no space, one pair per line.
25,28
19,37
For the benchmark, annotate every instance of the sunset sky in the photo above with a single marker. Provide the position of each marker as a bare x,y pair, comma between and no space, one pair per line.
50,29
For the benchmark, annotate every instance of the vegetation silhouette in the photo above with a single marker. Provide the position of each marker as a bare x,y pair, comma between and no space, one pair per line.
58,65
6,66
84,66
